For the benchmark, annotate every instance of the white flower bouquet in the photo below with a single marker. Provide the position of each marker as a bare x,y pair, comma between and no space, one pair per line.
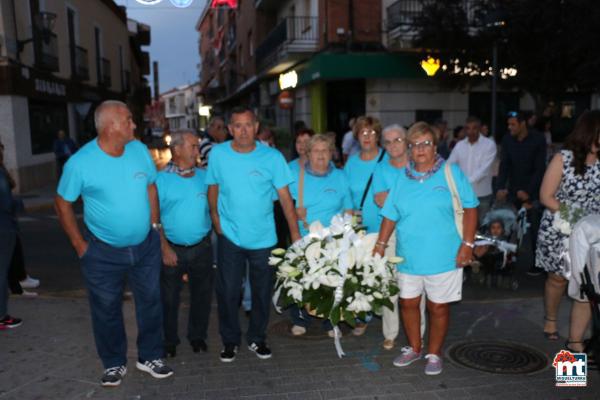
332,272
566,217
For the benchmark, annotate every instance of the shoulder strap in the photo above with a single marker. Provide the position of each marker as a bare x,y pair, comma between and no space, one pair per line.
456,203
301,187
368,186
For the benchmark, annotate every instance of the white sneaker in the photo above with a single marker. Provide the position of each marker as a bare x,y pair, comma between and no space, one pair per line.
29,283
29,294
331,333
298,330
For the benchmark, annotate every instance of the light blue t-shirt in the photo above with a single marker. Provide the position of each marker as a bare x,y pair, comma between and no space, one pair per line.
294,166
384,179
426,234
246,182
184,209
114,191
324,196
358,173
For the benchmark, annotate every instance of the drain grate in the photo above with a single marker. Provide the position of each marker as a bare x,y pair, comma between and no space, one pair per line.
497,357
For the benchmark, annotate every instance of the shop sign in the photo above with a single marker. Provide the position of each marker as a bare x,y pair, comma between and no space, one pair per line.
52,88
286,100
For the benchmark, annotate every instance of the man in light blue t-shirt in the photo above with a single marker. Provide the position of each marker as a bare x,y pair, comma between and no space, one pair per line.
242,175
114,175
185,242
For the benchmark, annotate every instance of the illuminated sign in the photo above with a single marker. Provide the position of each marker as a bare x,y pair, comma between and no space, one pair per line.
148,2
176,3
289,80
430,66
219,3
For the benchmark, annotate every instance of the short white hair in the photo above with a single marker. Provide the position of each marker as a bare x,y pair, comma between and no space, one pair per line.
100,113
178,137
393,127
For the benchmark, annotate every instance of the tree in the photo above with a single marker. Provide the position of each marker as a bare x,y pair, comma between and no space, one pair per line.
553,44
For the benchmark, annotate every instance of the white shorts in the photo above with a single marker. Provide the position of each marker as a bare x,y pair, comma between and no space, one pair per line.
439,288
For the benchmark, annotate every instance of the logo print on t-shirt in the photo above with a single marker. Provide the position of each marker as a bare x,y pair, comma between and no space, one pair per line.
440,189
330,190
201,194
255,172
140,175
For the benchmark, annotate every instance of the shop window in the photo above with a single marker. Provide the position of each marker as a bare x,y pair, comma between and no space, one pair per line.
45,120
429,116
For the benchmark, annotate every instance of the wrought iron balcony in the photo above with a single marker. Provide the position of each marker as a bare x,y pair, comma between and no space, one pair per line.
106,73
46,51
79,64
291,35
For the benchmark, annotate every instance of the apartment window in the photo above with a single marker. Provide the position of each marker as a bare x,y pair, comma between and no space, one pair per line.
71,26
98,44
45,119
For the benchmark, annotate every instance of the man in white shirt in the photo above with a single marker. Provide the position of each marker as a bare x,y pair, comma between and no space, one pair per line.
475,155
349,143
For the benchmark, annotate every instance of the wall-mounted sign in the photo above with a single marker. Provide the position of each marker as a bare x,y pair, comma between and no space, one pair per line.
219,3
430,65
286,100
289,80
53,88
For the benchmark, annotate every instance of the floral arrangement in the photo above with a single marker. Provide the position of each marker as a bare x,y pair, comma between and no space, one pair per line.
333,273
566,217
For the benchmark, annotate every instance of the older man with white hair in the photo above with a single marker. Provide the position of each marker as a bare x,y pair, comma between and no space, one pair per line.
186,248
114,174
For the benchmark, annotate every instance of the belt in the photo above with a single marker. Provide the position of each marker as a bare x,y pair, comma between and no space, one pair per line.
186,246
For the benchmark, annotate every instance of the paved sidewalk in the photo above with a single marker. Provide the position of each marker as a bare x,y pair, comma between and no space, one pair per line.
52,356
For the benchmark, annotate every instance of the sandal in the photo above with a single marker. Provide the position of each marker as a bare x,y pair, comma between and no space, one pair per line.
569,342
551,335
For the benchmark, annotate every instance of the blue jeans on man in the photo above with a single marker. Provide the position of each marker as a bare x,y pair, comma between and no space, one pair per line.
197,262
106,269
230,273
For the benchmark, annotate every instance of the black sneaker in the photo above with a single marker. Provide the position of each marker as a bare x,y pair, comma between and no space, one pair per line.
113,376
9,322
228,353
157,368
261,350
533,271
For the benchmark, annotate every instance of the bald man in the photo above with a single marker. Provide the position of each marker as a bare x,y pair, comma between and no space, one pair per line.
114,175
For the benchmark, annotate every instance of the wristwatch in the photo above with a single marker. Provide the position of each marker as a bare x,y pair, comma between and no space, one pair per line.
157,226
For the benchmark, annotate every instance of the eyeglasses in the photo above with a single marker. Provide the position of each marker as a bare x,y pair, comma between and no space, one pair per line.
420,145
398,140
367,132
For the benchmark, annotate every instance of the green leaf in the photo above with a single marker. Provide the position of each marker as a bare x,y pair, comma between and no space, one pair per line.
335,315
349,318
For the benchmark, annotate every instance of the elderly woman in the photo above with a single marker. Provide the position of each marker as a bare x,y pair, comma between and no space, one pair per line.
300,143
359,171
321,191
393,140
420,208
573,180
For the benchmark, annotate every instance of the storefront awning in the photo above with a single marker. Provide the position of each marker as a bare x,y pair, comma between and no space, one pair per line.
360,65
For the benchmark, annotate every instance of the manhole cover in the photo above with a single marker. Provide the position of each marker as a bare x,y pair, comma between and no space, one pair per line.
314,331
497,357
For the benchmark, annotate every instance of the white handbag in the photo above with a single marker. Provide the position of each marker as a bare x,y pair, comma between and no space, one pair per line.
456,204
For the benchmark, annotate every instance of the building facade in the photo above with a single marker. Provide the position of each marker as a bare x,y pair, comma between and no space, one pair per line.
344,58
58,60
181,107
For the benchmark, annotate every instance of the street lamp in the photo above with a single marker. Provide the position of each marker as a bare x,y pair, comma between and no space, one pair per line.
430,65
43,24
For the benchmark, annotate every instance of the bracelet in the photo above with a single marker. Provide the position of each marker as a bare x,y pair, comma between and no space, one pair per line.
468,244
156,226
383,244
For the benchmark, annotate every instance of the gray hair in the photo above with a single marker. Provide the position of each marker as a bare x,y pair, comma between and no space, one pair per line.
393,127
100,113
321,138
178,137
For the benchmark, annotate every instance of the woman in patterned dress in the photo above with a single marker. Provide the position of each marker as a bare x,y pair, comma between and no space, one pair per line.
572,179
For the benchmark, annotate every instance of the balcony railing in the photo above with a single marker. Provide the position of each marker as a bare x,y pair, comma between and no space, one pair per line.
80,64
106,73
126,83
403,13
46,51
293,34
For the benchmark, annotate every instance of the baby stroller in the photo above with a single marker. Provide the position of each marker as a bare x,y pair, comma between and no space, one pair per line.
583,270
497,242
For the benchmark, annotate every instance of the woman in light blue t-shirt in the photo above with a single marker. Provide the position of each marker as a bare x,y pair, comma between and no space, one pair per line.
420,208
324,192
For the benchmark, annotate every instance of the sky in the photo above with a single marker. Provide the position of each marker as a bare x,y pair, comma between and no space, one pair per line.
174,41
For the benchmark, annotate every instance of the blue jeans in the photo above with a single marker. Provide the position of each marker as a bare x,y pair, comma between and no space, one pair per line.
196,261
105,269
230,272
247,297
8,240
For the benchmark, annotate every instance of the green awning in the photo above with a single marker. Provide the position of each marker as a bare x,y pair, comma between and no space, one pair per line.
360,65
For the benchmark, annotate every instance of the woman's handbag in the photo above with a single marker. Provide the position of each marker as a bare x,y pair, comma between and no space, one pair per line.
456,204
